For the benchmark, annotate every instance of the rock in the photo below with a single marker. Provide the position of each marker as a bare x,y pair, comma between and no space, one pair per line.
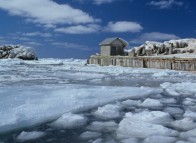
16,51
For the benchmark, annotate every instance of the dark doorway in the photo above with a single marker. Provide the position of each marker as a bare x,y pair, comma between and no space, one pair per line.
113,51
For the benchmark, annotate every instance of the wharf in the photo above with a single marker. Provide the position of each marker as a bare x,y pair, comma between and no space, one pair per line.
184,62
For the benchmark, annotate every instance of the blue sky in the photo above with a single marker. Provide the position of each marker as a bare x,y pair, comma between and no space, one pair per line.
74,28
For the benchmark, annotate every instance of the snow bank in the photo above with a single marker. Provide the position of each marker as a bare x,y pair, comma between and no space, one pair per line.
27,136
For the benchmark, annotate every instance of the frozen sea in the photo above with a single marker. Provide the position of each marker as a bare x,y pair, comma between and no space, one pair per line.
66,101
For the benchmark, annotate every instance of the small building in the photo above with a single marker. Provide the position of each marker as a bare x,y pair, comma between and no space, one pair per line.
112,47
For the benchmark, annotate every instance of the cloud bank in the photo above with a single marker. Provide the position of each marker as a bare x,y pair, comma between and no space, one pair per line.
154,36
46,12
124,26
165,4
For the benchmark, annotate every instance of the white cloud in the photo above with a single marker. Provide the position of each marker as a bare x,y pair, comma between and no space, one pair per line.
123,26
154,36
32,43
46,12
68,45
165,4
99,2
31,34
96,2
79,29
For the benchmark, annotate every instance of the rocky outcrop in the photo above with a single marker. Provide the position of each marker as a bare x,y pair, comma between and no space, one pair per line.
16,51
150,48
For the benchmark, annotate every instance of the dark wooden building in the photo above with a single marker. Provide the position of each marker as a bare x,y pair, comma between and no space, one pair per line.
112,47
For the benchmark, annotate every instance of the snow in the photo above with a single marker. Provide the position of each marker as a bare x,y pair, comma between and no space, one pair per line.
27,136
69,121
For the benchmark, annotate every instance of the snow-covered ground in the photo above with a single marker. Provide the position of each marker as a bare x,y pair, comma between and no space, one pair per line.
64,100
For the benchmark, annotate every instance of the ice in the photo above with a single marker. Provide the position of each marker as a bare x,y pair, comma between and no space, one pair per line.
27,136
176,89
192,139
155,117
130,103
140,129
184,124
130,140
69,121
190,114
151,103
160,74
173,110
159,139
183,142
168,100
111,141
98,141
47,103
189,101
108,112
98,126
67,94
90,135
187,134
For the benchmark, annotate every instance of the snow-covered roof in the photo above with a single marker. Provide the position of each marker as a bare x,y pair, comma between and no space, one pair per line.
109,41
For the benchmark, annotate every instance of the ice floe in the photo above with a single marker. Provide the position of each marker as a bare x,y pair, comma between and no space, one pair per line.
184,124
90,135
159,139
27,136
69,121
99,126
140,129
108,111
151,103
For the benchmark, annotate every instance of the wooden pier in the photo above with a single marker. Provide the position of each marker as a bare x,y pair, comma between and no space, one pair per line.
186,63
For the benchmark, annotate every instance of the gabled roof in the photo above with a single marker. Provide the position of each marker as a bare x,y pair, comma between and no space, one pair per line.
109,41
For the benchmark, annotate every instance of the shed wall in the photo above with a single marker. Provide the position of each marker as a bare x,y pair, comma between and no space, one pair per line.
105,50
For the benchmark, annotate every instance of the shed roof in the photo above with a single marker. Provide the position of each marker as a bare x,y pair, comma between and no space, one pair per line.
109,41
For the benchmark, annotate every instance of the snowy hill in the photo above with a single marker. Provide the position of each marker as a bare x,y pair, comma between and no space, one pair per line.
16,51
